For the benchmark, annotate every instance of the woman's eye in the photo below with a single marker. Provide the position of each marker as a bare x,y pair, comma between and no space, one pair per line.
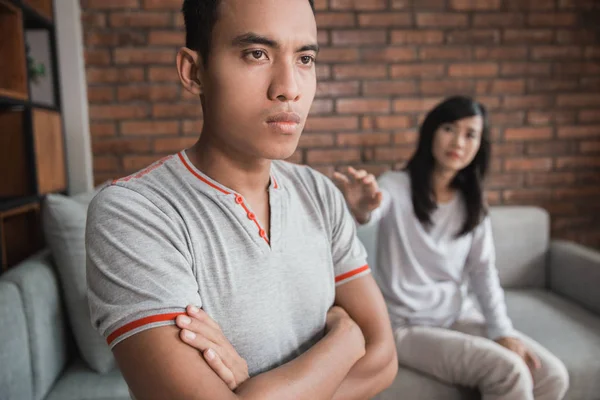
447,128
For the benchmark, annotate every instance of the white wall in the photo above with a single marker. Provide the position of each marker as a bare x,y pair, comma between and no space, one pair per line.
73,90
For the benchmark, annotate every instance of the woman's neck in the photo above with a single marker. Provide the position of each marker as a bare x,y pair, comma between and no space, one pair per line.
440,181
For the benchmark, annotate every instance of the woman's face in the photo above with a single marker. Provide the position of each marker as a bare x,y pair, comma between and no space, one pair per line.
455,144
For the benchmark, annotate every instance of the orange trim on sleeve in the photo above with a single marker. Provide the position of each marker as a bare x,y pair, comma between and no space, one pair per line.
141,322
352,273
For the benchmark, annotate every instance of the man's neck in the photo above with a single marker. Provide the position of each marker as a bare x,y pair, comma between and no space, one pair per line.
245,175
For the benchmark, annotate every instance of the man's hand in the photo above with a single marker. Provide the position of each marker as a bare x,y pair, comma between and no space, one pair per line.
204,334
517,346
361,192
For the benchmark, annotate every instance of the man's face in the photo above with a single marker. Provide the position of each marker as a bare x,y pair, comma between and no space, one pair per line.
260,80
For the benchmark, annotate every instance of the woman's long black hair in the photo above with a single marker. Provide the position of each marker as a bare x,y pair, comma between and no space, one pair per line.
469,181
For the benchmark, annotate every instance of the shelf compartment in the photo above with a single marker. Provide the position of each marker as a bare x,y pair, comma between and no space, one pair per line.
42,7
20,234
13,79
49,151
14,167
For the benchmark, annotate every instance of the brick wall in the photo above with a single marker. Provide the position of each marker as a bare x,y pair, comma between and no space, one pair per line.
534,63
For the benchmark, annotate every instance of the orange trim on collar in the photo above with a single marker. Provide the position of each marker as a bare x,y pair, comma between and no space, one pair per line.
209,183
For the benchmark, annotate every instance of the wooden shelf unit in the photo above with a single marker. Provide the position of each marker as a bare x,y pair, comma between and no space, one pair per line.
32,148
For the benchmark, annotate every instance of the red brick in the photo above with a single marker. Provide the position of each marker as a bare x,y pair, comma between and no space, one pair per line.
591,83
358,4
111,4
333,156
150,128
442,20
498,19
321,4
140,19
527,101
114,75
145,56
468,5
418,70
185,110
357,105
577,68
474,36
550,148
325,124
121,146
590,146
589,115
520,36
332,89
581,4
323,71
575,132
103,129
577,193
530,4
578,36
420,36
97,57
389,54
364,71
91,20
528,133
321,106
559,117
173,145
393,154
508,118
490,102
335,20
504,181
525,69
358,37
501,86
174,5
526,196
592,52
323,38
528,164
93,39
136,163
419,4
163,74
406,137
297,157
309,140
507,149
446,86
392,122
463,70
550,179
166,38
555,52
100,94
363,139
366,123
552,19
422,104
332,54
193,126
106,163
444,53
389,88
553,85
147,93
117,112
387,19
578,100
577,162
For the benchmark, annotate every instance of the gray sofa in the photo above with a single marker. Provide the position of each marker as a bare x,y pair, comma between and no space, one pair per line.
552,294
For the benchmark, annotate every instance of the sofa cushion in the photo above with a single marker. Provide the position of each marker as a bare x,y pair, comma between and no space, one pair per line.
64,220
81,383
521,238
46,328
567,330
15,373
413,385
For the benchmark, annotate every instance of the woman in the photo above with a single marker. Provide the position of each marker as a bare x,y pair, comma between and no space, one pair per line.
435,238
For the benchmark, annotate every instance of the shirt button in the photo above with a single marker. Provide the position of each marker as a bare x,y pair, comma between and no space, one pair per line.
251,216
239,199
262,233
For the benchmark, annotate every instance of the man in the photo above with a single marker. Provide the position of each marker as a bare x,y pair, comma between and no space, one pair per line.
267,249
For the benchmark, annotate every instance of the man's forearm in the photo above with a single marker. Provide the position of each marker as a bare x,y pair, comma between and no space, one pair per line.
314,375
370,375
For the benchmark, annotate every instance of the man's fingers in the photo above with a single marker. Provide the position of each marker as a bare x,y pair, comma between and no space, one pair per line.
201,328
202,316
217,365
198,342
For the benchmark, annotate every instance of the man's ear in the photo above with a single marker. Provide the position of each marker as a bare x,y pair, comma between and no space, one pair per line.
189,67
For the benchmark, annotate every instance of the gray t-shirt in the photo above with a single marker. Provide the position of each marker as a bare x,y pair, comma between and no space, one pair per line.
170,236
425,274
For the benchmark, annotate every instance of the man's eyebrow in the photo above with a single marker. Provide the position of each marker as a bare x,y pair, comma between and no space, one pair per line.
254,38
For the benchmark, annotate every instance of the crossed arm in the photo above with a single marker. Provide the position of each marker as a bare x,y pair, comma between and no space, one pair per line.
355,360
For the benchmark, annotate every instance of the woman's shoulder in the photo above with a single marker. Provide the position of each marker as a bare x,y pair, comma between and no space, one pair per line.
395,180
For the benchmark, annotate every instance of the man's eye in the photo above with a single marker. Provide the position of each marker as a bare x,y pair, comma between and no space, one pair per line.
307,60
257,54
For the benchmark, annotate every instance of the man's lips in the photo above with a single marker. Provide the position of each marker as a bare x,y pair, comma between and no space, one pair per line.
284,117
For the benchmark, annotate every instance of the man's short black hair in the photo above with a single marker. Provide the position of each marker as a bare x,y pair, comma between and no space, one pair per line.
200,17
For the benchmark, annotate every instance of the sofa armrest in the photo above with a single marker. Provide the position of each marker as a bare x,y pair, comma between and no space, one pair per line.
575,273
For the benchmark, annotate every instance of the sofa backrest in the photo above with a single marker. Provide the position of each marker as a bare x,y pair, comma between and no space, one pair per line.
15,362
46,333
521,237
